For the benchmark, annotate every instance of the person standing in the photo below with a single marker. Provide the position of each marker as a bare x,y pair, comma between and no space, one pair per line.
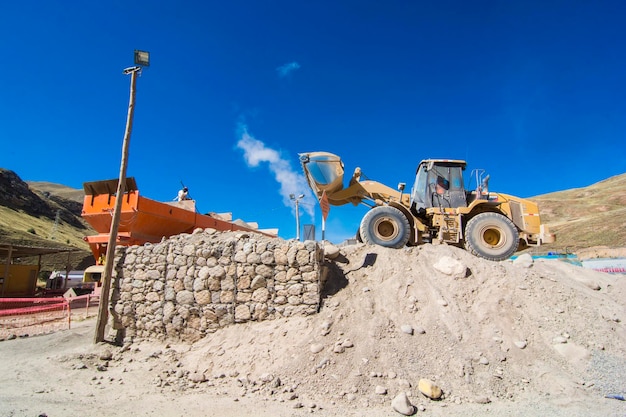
183,194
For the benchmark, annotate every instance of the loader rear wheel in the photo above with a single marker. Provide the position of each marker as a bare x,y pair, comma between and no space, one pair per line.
491,236
385,226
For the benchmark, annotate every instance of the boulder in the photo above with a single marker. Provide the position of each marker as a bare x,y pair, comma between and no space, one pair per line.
429,389
402,405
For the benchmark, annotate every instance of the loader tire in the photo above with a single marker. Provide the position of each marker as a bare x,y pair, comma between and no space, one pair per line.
385,226
491,236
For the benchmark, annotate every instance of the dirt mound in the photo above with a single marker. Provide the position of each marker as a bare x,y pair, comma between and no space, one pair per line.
478,329
543,337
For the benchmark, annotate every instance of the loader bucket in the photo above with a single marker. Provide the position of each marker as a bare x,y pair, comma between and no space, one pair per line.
323,170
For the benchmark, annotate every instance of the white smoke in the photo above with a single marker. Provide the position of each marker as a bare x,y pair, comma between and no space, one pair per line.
285,70
291,182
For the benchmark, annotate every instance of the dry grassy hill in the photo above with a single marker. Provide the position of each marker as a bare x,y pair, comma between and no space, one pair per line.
587,217
57,190
44,215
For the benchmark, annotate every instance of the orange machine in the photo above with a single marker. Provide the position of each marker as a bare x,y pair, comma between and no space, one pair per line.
143,220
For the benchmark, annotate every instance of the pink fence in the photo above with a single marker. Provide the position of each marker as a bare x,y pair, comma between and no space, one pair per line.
21,317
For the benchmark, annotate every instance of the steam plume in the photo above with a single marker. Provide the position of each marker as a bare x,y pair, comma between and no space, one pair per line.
291,182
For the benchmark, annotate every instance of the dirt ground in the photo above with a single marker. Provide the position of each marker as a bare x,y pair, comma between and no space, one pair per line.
499,338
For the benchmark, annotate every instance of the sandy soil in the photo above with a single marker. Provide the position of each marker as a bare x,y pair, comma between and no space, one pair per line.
499,338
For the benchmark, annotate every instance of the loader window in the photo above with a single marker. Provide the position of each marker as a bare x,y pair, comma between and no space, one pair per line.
445,187
419,191
438,184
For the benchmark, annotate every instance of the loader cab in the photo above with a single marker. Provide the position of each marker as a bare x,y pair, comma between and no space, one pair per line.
438,183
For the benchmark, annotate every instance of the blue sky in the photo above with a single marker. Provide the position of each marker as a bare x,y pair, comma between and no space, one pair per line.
532,91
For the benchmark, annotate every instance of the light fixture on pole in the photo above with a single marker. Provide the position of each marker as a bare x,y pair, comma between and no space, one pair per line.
142,59
297,199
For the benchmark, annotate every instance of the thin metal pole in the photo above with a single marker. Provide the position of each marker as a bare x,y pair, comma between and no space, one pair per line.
297,221
110,253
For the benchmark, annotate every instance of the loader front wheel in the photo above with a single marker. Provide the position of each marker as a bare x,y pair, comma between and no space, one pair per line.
491,236
385,226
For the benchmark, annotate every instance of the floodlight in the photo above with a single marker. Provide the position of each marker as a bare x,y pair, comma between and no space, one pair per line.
142,58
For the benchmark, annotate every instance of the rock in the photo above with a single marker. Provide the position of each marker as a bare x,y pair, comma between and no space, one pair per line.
347,343
450,266
106,355
323,363
242,313
185,297
402,405
316,347
339,349
559,339
406,328
380,390
521,344
524,260
258,282
442,302
331,251
276,382
197,377
326,325
482,400
483,361
429,389
266,377
419,330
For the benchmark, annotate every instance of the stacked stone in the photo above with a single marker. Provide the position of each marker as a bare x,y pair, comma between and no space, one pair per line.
192,284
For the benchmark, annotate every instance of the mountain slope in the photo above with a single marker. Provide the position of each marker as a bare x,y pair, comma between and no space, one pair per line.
57,191
588,216
32,217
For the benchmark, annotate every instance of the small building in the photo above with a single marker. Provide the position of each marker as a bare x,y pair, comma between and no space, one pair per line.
20,280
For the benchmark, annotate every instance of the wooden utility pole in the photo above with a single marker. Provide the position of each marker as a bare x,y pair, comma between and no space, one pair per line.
103,313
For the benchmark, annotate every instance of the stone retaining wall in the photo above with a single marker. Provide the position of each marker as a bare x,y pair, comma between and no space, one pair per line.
192,284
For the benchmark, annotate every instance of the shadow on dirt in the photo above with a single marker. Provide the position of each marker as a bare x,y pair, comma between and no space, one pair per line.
334,276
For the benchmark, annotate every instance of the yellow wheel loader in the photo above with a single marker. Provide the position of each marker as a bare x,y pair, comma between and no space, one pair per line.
438,209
